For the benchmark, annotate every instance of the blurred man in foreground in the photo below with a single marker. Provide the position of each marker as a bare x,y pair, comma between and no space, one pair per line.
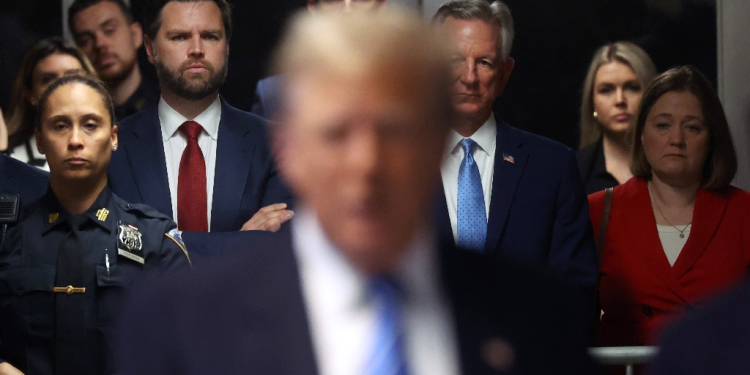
357,284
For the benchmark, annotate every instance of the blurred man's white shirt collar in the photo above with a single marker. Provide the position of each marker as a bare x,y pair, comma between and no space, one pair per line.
486,139
343,320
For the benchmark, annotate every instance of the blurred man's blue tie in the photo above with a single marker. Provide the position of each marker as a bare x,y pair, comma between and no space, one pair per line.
472,219
388,352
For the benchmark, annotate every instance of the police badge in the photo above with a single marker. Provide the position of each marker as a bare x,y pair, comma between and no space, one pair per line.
128,242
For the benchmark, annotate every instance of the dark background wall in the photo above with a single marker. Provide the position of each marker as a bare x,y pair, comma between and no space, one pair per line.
554,44
555,41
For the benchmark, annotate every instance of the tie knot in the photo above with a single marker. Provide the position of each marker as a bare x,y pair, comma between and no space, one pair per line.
76,222
191,129
385,287
468,145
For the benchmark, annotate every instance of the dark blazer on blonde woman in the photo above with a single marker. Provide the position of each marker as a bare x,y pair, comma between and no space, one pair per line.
640,292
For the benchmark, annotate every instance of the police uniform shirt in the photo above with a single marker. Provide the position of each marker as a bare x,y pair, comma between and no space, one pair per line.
119,241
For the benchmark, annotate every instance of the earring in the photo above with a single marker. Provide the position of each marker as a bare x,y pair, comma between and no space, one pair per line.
114,147
595,114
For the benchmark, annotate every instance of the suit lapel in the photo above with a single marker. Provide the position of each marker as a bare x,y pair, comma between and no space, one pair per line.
233,161
707,214
146,154
504,182
638,212
442,218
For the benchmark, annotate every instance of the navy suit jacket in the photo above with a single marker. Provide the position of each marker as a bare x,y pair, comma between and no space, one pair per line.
245,314
17,177
538,212
268,97
245,179
714,340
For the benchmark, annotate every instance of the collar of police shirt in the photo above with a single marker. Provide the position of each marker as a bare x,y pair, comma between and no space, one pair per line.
343,319
175,143
484,154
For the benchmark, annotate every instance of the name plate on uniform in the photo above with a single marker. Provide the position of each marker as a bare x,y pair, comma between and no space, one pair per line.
130,256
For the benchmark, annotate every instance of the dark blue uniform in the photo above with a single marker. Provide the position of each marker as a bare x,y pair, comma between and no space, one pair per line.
119,242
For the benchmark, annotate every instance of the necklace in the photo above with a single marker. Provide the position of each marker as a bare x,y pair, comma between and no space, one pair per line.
682,231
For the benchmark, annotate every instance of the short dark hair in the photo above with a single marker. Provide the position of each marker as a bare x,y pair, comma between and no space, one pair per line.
81,5
92,82
152,16
721,160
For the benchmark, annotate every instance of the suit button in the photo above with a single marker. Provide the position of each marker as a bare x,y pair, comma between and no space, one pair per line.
647,310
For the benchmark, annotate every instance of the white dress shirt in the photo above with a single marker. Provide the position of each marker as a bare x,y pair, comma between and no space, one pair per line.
175,143
484,155
343,320
19,152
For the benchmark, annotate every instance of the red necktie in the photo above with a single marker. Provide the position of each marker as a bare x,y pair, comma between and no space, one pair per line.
192,211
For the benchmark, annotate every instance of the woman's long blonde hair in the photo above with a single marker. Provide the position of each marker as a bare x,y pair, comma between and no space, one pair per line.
623,52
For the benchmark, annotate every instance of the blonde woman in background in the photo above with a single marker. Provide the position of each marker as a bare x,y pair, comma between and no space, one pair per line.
617,76
46,60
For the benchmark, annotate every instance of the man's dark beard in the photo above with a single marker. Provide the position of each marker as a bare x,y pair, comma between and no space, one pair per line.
175,82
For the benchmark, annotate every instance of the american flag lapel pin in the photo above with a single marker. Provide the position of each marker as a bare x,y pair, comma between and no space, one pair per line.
508,158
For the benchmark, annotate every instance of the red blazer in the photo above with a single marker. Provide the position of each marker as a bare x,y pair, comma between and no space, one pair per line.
640,292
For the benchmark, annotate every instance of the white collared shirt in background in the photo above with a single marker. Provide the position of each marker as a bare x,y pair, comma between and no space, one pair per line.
343,320
175,143
484,155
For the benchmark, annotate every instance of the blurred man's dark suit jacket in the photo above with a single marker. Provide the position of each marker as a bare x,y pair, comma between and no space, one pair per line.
714,340
538,213
245,314
17,177
245,179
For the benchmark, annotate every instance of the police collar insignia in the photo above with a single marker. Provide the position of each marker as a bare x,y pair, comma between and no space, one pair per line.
102,214
129,242
53,218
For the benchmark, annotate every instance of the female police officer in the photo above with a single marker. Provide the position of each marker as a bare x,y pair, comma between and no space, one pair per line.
66,264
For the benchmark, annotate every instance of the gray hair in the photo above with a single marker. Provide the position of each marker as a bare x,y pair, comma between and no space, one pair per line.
623,52
497,13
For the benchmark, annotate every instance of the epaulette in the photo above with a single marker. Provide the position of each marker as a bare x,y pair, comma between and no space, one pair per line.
139,209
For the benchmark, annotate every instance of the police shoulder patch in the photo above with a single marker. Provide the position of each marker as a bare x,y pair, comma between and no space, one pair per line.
176,236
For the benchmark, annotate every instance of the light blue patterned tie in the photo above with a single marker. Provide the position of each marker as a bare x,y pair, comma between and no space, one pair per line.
388,352
472,219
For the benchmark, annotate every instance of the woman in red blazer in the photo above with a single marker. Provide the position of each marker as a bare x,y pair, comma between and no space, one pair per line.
678,233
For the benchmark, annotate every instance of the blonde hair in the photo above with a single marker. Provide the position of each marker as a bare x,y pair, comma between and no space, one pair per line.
623,52
392,45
